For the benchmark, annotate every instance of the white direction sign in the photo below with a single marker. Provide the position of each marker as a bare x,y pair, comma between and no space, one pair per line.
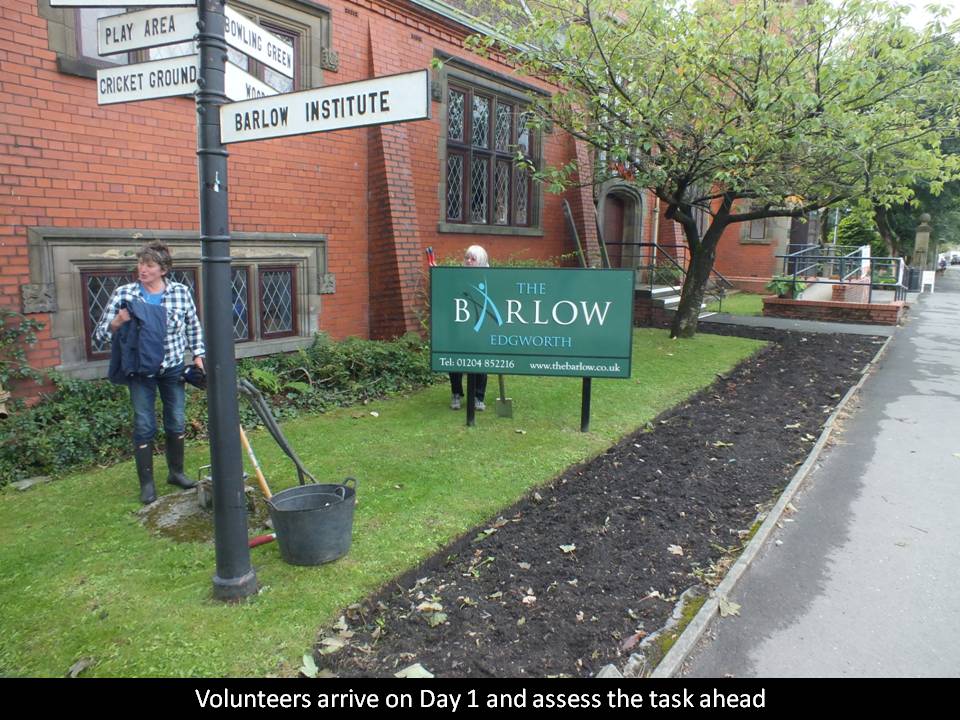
144,81
171,77
248,37
238,84
122,3
390,99
145,29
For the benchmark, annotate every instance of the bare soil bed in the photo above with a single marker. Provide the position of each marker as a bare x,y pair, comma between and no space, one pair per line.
578,573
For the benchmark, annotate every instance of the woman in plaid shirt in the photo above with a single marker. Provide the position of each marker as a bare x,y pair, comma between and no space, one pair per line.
183,330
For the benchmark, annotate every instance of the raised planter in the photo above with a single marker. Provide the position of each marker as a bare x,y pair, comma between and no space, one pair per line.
832,311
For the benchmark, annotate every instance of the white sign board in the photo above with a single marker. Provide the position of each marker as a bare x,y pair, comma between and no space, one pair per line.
390,99
122,3
248,37
171,77
238,84
144,81
145,29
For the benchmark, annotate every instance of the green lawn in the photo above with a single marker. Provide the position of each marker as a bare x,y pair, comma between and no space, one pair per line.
82,579
741,303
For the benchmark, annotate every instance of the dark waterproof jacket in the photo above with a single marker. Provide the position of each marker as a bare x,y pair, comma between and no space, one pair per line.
137,347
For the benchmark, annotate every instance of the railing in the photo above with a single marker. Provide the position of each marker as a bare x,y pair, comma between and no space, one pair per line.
840,265
656,267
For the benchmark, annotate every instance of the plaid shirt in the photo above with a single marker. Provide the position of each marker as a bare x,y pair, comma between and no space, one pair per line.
183,325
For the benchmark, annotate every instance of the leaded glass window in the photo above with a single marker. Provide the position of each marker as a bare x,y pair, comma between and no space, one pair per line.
455,187
501,193
277,307
455,115
98,286
240,295
481,122
484,183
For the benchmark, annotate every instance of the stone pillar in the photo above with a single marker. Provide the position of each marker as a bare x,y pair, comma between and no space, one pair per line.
922,258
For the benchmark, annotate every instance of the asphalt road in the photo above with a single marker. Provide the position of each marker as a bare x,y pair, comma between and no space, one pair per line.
863,579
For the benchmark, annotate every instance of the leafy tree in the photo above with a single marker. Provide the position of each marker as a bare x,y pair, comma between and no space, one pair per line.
744,110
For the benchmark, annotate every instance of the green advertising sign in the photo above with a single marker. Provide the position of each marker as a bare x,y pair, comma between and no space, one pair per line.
531,321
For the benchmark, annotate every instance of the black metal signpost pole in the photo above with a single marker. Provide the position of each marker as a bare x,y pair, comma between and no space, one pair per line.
471,402
235,578
585,405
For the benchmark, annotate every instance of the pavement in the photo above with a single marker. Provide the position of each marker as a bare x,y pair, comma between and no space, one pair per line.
857,573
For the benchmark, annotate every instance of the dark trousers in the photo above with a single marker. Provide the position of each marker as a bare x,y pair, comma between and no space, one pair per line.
480,385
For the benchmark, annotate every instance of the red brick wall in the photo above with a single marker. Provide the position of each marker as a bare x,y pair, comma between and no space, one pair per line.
67,162
873,313
748,266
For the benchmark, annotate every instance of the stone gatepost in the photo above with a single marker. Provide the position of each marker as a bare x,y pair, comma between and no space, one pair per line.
921,247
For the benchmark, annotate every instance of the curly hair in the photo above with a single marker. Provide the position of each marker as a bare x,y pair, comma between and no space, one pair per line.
158,252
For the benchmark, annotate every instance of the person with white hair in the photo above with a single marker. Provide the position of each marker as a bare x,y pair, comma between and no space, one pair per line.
475,256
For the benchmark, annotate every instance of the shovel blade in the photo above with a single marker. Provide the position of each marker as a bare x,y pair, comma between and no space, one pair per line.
505,407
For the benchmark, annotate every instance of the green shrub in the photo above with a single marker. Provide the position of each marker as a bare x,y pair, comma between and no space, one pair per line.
85,422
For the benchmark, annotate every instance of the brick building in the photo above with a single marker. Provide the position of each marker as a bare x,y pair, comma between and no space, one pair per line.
329,230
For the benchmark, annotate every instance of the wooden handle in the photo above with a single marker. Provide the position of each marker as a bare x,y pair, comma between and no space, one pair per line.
256,465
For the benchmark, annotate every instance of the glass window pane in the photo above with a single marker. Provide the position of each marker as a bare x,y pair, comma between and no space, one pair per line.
455,187
276,302
523,133
97,288
479,192
455,115
241,60
521,183
481,121
504,121
277,80
239,296
88,34
758,229
178,50
501,186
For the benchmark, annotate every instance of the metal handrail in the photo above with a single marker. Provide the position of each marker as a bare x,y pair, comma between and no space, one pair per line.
677,269
829,257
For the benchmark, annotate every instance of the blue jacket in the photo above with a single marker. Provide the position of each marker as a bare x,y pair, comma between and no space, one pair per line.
137,347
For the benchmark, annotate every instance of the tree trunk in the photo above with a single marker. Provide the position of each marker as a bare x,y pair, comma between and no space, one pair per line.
694,287
890,239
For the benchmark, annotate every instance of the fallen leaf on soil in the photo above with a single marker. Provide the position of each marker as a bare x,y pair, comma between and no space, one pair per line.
791,427
79,666
727,607
568,548
331,645
529,600
521,622
721,443
309,667
437,618
524,566
537,497
341,624
414,671
580,616
675,550
632,641
429,607
495,596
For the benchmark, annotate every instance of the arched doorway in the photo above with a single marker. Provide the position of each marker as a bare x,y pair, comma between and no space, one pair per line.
620,213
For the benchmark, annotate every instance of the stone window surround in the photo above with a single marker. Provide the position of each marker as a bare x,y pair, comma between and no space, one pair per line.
312,21
476,76
58,255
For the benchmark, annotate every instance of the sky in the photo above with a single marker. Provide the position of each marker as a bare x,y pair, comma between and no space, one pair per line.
919,16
